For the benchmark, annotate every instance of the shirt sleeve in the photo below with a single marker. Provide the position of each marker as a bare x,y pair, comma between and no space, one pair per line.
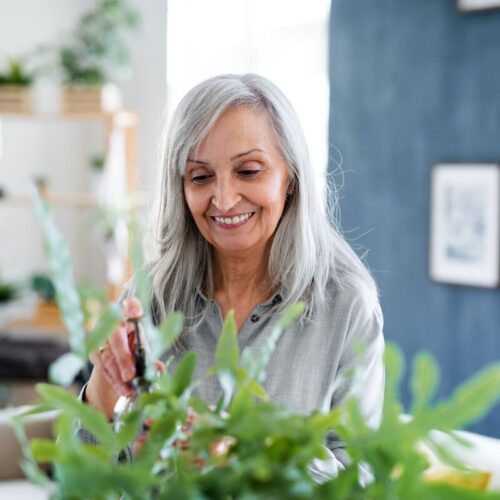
360,374
87,437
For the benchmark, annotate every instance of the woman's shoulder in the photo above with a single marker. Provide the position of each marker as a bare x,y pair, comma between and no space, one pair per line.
355,303
356,294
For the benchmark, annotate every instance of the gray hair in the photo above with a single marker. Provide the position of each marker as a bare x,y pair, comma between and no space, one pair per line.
307,249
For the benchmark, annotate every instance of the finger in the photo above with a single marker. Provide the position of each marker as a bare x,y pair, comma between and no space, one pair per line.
160,366
122,354
132,308
130,327
138,443
107,364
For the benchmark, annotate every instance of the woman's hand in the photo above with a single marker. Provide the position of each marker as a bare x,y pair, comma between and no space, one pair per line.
114,365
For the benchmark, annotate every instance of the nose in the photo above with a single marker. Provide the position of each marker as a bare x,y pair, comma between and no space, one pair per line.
226,194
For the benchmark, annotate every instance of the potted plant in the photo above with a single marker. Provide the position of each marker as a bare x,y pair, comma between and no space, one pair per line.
47,310
246,446
15,87
96,163
8,291
95,57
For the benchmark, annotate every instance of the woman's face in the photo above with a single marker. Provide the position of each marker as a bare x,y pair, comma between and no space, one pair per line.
236,182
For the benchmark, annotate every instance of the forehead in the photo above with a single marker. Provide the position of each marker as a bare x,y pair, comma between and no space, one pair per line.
239,129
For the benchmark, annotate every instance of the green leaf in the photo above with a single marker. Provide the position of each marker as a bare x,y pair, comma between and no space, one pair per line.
109,320
471,400
242,402
92,420
58,255
227,359
131,423
394,363
36,409
65,368
28,465
227,351
168,332
257,390
184,373
227,381
425,377
256,364
141,278
44,450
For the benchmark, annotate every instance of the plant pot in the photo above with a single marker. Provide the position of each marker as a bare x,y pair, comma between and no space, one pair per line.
16,99
89,99
48,315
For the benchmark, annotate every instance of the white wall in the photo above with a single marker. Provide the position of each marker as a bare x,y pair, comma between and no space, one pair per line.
61,150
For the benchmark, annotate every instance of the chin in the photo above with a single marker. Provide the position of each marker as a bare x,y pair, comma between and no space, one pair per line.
232,247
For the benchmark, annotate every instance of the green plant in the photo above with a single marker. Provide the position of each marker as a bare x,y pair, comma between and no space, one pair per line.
43,285
98,50
8,291
246,447
93,300
16,73
97,162
65,369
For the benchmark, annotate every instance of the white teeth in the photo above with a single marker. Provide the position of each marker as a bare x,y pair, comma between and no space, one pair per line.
233,220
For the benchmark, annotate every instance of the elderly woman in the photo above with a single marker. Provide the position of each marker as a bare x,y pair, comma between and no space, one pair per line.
240,225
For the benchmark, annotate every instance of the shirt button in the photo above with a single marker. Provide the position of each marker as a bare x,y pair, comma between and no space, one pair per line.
277,300
254,318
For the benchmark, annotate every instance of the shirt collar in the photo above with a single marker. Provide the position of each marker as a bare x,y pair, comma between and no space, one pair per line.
276,298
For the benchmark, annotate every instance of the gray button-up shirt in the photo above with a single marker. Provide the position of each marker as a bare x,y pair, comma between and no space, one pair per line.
315,365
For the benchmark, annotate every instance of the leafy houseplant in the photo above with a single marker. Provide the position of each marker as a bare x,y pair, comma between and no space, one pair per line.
15,87
246,447
15,74
8,291
43,285
96,54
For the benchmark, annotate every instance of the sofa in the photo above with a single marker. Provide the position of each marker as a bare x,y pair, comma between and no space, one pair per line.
13,485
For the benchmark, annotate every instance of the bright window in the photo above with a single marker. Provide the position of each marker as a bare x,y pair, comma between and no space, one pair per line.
283,40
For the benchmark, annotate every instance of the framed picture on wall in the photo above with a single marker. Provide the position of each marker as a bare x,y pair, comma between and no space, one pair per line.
472,5
464,238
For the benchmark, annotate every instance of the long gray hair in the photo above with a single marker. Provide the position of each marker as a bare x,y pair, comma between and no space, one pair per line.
307,249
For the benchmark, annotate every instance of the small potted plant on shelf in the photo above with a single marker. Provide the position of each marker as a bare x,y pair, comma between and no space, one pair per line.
96,56
8,292
47,311
97,163
15,87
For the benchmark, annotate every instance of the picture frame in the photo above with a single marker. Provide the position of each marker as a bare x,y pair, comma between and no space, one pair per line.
478,5
464,236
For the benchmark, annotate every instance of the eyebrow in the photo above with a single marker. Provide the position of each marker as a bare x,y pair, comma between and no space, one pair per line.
239,155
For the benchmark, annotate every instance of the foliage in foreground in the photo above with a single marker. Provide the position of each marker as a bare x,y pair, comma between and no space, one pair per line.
247,447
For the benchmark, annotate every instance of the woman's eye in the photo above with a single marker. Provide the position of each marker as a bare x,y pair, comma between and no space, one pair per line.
200,179
248,172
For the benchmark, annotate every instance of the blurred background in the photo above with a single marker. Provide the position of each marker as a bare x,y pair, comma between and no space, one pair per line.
386,92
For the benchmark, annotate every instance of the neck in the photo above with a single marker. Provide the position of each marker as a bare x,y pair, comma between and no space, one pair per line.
241,277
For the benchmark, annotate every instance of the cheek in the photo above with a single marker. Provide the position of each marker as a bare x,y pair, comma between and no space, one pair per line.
275,196
194,201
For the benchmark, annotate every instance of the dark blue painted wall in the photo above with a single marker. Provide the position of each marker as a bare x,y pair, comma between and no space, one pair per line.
414,83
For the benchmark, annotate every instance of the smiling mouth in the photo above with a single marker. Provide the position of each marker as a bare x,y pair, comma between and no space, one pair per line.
233,221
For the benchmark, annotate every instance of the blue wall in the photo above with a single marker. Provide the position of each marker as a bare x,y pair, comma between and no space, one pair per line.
414,83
